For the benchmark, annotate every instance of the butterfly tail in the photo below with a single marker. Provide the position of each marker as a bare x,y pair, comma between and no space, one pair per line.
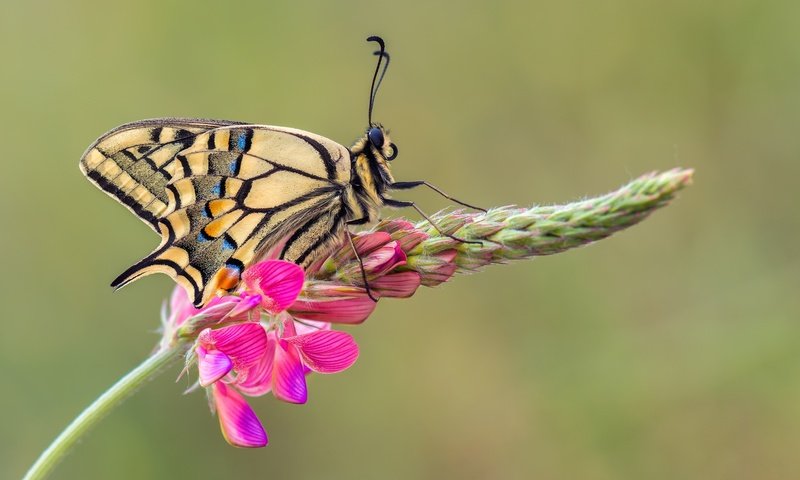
142,268
161,262
174,263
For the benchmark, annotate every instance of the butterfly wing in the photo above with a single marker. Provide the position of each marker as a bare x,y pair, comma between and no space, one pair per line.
134,162
229,193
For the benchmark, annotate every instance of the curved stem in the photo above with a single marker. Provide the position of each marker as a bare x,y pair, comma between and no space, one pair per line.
98,409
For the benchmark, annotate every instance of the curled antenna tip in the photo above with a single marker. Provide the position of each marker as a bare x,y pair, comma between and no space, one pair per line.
375,38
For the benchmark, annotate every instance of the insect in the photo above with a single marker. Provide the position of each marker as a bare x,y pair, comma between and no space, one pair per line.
223,193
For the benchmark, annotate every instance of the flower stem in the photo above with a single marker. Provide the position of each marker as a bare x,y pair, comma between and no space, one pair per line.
99,408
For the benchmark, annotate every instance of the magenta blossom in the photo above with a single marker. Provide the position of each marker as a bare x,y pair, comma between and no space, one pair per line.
344,298
333,303
235,348
265,353
185,320
297,350
223,355
276,283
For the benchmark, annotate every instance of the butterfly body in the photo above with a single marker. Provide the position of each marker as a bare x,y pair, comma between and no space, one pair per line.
221,194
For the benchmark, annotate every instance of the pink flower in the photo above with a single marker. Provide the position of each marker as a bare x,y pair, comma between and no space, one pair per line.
253,358
398,285
341,301
292,353
180,306
185,320
378,252
276,282
182,309
381,264
236,348
384,259
227,355
404,233
436,269
333,303
226,352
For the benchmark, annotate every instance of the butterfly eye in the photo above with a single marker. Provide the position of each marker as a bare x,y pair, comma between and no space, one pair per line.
376,137
394,152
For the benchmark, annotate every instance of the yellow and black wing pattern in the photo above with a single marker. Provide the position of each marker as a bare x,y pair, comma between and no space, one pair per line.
221,194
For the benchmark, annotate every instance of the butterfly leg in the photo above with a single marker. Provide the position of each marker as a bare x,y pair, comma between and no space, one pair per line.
360,221
389,202
417,183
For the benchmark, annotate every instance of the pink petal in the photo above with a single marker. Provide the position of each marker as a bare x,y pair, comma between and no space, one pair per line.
258,380
180,306
409,240
439,274
315,266
403,232
279,280
239,424
339,310
309,326
398,285
367,242
212,366
245,304
244,343
384,259
288,378
326,351
289,329
218,308
219,301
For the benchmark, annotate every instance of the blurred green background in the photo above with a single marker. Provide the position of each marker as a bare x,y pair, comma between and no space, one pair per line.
668,351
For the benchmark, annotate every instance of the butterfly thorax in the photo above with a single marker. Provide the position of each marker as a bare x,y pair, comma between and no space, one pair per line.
370,176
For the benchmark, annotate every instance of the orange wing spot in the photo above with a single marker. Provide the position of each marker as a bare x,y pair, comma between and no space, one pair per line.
218,207
217,227
226,278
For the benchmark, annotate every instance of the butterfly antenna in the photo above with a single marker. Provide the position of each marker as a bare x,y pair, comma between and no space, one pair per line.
372,88
383,73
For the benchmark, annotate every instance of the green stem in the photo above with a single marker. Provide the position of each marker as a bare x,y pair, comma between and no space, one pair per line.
98,409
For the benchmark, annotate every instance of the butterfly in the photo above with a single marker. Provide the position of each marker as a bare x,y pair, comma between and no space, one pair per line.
221,193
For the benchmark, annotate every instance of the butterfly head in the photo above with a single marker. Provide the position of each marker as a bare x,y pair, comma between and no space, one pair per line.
378,142
375,149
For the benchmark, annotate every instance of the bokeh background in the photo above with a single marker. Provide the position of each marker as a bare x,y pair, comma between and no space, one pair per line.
671,350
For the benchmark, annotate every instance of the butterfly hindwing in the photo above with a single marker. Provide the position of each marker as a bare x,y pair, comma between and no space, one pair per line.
227,197
134,162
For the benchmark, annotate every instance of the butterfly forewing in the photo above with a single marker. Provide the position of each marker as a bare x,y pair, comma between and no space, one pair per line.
221,194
